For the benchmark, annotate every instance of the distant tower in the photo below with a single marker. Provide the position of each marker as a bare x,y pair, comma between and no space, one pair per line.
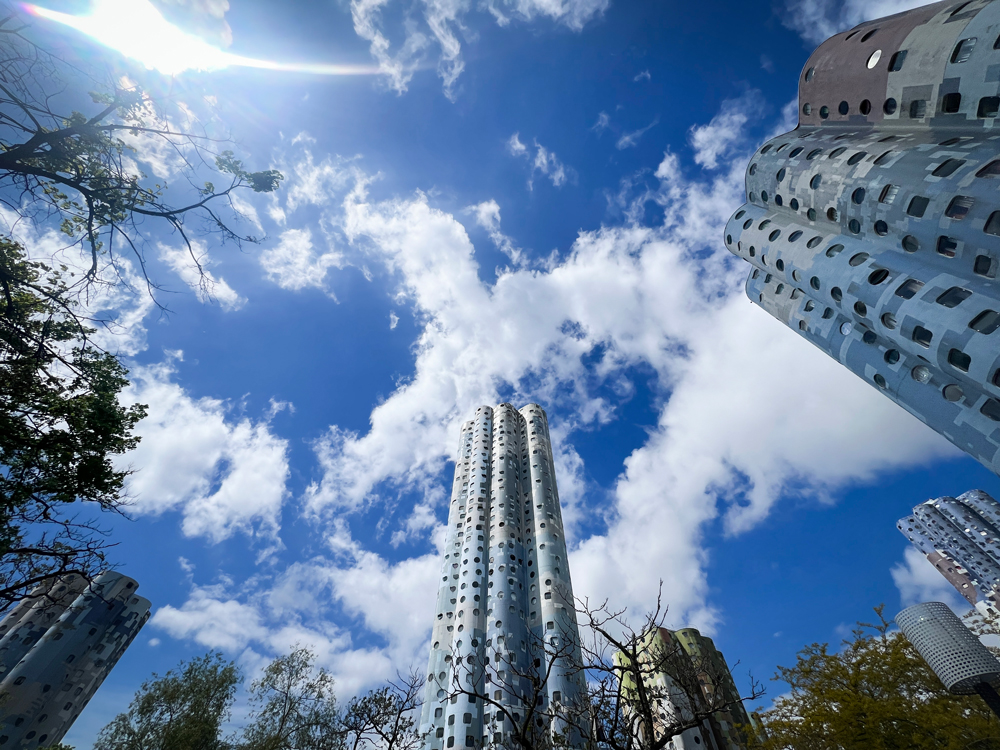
687,656
961,538
873,229
505,608
56,648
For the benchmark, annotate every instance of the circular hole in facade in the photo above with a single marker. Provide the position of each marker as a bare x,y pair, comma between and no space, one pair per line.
879,380
753,169
766,148
890,106
874,58
795,235
795,152
869,338
763,260
921,374
837,152
774,235
809,306
729,239
952,392
858,196
844,108
779,264
824,111
837,294
855,158
797,275
740,214
803,326
779,289
881,228
816,181
764,223
831,214
814,241
781,174
846,328
910,244
810,74
858,258
865,107
813,154
877,276
752,197
793,204
833,250
811,214
763,195
892,356
814,283
752,251
889,321
869,35
748,223
861,309
778,200
854,225
828,313
807,109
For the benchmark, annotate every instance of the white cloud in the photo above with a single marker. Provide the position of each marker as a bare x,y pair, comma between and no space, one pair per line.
817,20
296,264
603,121
488,217
630,139
545,162
442,22
643,76
749,409
193,268
393,320
224,475
724,135
919,581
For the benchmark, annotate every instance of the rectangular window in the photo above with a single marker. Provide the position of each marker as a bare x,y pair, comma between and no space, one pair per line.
467,718
888,194
922,336
951,103
918,204
948,167
993,224
959,360
959,207
983,265
557,696
988,106
947,246
991,409
954,297
470,741
986,322
897,60
990,170
963,50
918,109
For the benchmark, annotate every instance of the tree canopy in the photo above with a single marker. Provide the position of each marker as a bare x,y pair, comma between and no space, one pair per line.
874,693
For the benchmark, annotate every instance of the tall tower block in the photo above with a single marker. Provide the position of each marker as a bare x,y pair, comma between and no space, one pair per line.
505,602
873,228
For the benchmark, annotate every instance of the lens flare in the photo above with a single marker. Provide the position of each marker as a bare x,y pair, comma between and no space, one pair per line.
137,30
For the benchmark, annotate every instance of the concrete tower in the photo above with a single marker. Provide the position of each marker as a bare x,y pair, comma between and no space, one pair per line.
961,538
505,610
57,648
873,228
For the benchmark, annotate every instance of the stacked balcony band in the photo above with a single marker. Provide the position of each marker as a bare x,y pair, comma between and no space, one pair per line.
56,677
874,227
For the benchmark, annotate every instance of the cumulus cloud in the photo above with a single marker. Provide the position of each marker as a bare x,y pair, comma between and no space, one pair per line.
296,264
487,216
817,20
193,268
223,473
749,410
919,581
441,25
721,137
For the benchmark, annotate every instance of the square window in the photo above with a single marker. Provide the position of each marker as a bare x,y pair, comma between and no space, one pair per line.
991,409
951,103
988,106
959,207
918,204
470,741
947,246
963,50
909,288
954,297
993,224
897,60
922,336
959,360
439,732
948,167
918,109
986,322
983,265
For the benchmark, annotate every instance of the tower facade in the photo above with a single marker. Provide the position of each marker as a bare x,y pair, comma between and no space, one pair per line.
961,538
873,228
56,648
505,643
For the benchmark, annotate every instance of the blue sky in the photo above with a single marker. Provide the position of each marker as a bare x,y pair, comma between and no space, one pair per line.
526,203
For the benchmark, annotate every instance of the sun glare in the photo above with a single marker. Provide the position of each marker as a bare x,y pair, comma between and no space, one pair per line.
137,30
